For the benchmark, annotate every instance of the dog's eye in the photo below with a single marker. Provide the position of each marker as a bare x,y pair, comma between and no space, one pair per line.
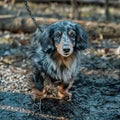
71,34
58,34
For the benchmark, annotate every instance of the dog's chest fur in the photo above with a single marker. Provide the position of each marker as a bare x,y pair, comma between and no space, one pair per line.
59,68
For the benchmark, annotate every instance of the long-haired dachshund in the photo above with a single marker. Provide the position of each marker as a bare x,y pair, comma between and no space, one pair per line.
55,54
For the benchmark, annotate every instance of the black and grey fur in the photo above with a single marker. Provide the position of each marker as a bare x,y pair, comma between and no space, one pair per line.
55,53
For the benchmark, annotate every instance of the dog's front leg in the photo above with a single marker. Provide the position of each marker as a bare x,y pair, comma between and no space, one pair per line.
63,91
38,87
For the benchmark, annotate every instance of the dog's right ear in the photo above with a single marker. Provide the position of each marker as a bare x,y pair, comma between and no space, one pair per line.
82,38
46,41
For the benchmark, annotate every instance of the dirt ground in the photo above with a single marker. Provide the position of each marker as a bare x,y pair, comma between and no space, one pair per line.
96,91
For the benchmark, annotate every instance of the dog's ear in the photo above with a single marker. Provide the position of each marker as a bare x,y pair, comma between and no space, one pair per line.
81,38
46,41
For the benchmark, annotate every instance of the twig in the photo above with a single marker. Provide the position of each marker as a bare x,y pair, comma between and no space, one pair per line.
27,111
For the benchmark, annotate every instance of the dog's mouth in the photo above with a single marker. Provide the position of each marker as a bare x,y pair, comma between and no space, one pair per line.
65,54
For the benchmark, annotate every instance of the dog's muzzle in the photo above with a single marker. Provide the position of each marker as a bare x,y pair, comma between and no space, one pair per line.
66,49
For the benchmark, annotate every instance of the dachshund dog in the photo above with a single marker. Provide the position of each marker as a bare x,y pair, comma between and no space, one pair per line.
55,55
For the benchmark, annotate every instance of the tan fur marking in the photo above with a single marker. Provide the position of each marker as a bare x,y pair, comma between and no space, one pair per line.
59,60
37,95
62,93
67,61
59,46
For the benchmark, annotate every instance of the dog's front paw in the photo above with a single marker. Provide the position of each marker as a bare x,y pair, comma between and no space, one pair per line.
65,96
37,95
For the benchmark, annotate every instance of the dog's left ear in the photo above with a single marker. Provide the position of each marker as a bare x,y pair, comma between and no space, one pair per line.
46,41
81,38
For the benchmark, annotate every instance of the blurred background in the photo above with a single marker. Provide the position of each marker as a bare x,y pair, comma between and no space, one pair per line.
99,10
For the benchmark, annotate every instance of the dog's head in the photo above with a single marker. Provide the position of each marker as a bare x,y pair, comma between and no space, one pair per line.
65,37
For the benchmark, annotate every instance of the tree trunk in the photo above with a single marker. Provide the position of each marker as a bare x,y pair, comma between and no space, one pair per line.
75,13
107,13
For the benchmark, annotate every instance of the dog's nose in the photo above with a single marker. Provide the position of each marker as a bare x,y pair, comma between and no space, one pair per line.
66,50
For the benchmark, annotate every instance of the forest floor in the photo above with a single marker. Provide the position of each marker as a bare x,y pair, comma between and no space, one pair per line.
96,91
